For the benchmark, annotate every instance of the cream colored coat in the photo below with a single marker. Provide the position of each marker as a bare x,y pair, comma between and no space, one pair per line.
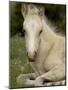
49,64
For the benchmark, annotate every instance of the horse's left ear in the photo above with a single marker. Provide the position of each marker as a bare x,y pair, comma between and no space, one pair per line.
24,9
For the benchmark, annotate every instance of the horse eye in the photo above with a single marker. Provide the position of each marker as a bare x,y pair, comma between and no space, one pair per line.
40,32
23,31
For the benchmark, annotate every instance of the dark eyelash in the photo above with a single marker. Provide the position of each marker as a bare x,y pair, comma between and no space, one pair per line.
40,32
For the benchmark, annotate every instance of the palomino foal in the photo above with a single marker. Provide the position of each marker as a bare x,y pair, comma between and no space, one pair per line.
45,49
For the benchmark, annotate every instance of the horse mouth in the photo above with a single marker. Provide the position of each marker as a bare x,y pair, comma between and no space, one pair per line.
31,59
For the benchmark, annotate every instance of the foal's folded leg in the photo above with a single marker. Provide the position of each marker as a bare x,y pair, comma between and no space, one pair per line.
25,78
57,75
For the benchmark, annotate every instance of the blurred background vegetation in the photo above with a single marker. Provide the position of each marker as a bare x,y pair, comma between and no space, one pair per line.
55,13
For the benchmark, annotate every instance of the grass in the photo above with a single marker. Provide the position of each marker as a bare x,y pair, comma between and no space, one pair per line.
18,59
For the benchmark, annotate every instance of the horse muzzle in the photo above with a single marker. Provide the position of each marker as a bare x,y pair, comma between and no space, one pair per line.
31,57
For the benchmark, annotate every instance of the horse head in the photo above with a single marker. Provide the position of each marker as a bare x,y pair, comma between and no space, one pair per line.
33,27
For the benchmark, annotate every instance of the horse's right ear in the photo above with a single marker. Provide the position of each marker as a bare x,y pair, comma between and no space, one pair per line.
24,9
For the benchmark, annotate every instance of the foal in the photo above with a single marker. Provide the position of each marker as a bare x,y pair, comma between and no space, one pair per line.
45,49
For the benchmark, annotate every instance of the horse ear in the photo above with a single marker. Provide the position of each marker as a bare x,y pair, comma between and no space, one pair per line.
24,9
41,10
36,9
32,9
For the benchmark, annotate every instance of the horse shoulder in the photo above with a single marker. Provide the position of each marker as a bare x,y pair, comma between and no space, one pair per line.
59,47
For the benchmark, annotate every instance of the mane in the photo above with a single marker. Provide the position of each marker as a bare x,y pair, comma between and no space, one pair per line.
52,28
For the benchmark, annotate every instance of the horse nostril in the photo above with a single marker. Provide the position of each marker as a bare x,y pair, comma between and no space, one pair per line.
31,56
28,54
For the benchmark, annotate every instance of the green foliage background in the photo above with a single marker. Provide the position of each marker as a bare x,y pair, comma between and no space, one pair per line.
55,13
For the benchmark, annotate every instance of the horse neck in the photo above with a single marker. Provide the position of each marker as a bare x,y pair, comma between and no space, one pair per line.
48,33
